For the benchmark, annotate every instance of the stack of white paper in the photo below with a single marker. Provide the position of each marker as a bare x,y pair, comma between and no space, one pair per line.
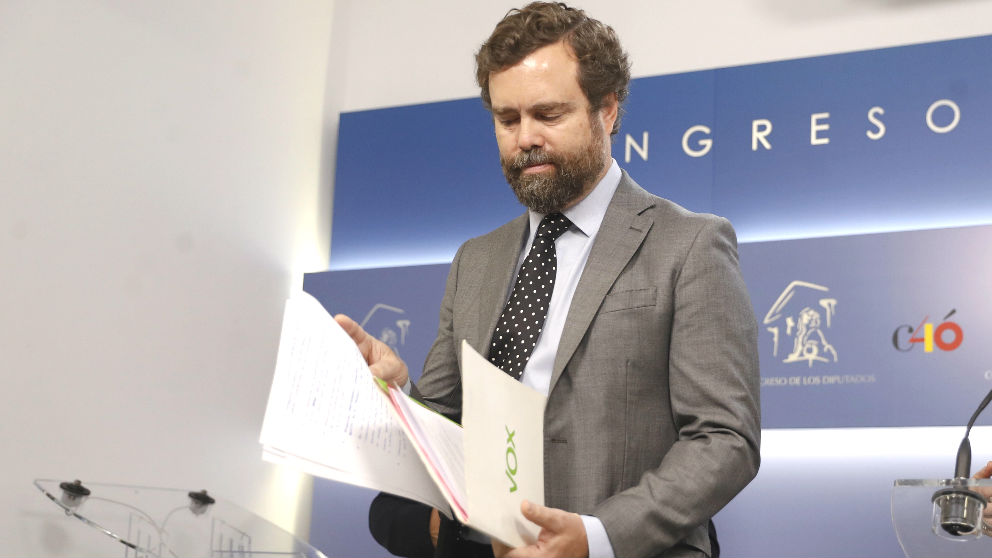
325,415
328,416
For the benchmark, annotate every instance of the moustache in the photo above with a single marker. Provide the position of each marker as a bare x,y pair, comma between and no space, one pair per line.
528,159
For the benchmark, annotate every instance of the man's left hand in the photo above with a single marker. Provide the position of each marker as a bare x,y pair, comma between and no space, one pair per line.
562,533
984,473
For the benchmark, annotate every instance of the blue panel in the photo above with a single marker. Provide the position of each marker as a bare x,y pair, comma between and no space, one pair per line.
665,107
855,303
880,282
862,295
414,182
912,177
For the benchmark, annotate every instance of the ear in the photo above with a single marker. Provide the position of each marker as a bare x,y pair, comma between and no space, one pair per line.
608,112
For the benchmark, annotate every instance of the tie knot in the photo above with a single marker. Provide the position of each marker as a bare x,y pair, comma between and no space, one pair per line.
553,225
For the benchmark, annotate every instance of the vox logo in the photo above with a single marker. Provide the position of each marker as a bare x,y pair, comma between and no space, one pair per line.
511,455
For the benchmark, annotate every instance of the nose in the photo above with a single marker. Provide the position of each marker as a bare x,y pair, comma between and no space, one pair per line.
530,134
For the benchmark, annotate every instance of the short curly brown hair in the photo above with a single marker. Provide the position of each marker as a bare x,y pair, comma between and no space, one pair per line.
603,64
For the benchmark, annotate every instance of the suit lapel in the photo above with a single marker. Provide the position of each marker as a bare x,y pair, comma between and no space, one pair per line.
621,234
500,271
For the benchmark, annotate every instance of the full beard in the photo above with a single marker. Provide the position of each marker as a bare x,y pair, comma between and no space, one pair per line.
571,175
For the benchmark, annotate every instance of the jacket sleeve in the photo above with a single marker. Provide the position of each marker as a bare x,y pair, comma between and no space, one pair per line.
714,390
440,384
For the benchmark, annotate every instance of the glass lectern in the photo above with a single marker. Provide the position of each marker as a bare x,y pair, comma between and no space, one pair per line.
149,522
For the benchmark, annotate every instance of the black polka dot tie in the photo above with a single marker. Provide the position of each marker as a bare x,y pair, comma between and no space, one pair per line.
522,319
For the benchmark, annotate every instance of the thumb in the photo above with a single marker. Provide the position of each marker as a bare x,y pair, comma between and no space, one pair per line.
985,472
350,327
535,513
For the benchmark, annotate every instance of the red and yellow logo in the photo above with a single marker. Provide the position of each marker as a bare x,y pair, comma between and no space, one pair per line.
945,336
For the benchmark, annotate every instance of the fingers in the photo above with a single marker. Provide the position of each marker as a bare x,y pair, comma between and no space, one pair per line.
985,472
434,526
382,361
562,533
385,365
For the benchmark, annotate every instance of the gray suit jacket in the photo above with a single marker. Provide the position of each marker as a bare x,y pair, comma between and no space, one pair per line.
652,420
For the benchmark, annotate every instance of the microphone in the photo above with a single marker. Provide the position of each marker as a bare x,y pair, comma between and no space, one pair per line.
957,509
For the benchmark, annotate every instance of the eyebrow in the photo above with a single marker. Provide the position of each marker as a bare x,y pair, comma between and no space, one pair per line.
551,106
539,107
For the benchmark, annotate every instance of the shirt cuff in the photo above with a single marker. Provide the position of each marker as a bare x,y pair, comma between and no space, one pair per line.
406,387
596,538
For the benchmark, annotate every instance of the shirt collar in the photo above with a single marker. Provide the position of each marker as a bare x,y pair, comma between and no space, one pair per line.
587,215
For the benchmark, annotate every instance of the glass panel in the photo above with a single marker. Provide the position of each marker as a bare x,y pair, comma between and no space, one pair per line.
146,522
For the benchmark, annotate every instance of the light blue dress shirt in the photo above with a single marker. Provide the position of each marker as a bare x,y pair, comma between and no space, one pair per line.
572,250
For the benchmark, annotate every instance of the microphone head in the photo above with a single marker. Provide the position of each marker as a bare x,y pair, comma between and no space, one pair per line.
958,511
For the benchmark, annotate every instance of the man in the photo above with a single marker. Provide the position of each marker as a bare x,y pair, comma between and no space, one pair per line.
645,339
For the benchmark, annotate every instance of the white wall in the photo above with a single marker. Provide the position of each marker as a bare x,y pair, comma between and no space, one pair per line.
402,53
160,194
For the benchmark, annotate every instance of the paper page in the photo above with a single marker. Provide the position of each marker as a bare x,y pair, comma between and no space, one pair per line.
504,449
326,414
316,469
440,440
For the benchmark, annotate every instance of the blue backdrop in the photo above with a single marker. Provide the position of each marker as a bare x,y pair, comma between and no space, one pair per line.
857,183
414,182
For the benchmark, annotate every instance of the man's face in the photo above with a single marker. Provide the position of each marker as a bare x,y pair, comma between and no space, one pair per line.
553,151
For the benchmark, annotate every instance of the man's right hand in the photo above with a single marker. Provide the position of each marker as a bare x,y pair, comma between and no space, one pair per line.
381,359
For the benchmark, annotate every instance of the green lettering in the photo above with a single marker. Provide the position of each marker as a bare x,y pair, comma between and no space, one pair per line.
513,482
